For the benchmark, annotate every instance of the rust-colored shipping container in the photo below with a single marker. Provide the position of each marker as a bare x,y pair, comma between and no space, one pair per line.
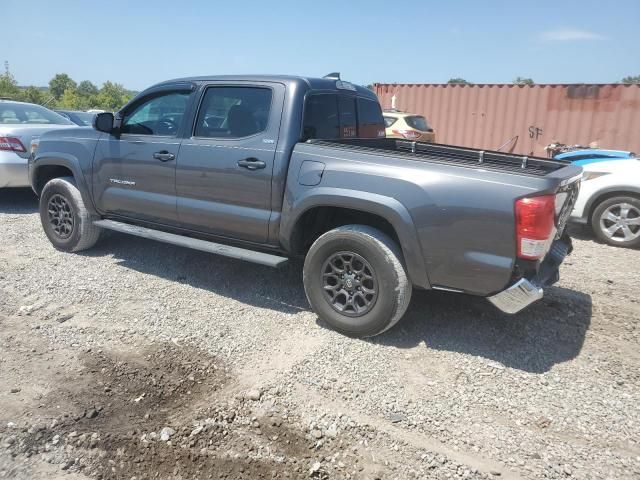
524,118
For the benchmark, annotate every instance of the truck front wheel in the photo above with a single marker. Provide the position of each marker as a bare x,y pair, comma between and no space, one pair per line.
355,281
65,220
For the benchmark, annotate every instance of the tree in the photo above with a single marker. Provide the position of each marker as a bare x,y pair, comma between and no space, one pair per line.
72,101
61,83
8,86
458,81
87,89
631,79
34,95
524,81
112,96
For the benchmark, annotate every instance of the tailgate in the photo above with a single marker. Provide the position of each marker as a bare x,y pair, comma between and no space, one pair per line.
567,191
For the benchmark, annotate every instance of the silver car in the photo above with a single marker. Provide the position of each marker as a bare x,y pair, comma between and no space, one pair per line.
20,123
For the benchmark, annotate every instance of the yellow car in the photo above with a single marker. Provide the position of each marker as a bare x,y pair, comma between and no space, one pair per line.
408,126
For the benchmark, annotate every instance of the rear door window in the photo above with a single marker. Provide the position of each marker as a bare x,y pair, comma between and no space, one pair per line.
370,121
233,112
328,116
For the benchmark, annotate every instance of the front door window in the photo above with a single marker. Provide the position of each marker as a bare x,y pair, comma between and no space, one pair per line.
161,115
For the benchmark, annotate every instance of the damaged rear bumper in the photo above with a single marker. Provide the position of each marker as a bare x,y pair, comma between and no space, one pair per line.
527,290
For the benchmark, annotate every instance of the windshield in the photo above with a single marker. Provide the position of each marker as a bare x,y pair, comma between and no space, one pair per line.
26,113
418,122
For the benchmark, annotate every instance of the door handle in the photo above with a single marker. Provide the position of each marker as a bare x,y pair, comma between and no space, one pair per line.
164,156
251,163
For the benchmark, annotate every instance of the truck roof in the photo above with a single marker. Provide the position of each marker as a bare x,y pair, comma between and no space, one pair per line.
287,80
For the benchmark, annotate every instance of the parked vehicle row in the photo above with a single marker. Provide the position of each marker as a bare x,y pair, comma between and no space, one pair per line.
617,184
82,119
265,168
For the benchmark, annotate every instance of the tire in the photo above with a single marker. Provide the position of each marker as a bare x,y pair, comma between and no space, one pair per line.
622,212
65,220
376,265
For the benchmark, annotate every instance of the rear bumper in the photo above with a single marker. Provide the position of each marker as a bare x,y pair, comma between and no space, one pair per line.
13,170
525,291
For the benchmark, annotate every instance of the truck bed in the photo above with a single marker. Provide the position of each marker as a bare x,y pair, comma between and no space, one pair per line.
450,154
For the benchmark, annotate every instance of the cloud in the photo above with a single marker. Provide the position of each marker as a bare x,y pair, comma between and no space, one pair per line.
570,34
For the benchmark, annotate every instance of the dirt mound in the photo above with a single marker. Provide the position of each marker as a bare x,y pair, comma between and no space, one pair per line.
162,414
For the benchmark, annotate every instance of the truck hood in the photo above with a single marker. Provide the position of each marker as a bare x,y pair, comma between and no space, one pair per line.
73,132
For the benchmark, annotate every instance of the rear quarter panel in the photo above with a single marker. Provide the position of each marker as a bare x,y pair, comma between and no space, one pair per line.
459,225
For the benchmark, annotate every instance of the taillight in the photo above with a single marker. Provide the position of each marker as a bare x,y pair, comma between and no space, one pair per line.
12,144
408,134
535,225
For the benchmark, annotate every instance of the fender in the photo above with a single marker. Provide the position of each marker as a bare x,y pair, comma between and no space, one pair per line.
594,200
63,160
386,207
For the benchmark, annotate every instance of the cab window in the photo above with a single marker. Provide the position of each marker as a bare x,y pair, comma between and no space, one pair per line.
161,115
321,117
348,117
329,115
371,124
233,112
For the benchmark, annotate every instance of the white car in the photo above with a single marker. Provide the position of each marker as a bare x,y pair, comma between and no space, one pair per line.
609,200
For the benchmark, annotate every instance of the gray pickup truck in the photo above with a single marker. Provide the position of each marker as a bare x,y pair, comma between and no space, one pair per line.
265,168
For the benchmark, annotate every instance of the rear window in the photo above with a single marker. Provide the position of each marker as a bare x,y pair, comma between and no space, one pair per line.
329,115
418,122
348,118
25,113
370,121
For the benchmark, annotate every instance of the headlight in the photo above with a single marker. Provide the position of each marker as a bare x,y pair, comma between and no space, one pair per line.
591,175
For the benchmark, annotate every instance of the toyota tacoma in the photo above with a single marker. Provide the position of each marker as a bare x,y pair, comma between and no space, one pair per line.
266,168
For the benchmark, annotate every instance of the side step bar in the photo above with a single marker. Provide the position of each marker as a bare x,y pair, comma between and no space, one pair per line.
197,244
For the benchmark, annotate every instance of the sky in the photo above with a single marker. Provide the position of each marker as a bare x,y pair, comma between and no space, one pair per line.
138,43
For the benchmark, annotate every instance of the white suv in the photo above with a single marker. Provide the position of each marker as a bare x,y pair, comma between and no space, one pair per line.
609,199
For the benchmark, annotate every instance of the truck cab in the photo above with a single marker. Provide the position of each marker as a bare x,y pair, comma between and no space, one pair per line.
211,154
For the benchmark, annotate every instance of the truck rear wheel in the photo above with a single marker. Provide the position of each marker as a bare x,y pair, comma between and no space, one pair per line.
65,220
355,281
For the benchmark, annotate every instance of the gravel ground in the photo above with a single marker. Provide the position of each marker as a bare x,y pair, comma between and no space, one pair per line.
100,351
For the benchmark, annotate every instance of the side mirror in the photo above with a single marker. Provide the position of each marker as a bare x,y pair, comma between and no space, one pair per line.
103,122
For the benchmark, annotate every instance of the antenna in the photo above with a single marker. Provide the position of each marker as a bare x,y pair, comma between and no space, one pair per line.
333,76
6,68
